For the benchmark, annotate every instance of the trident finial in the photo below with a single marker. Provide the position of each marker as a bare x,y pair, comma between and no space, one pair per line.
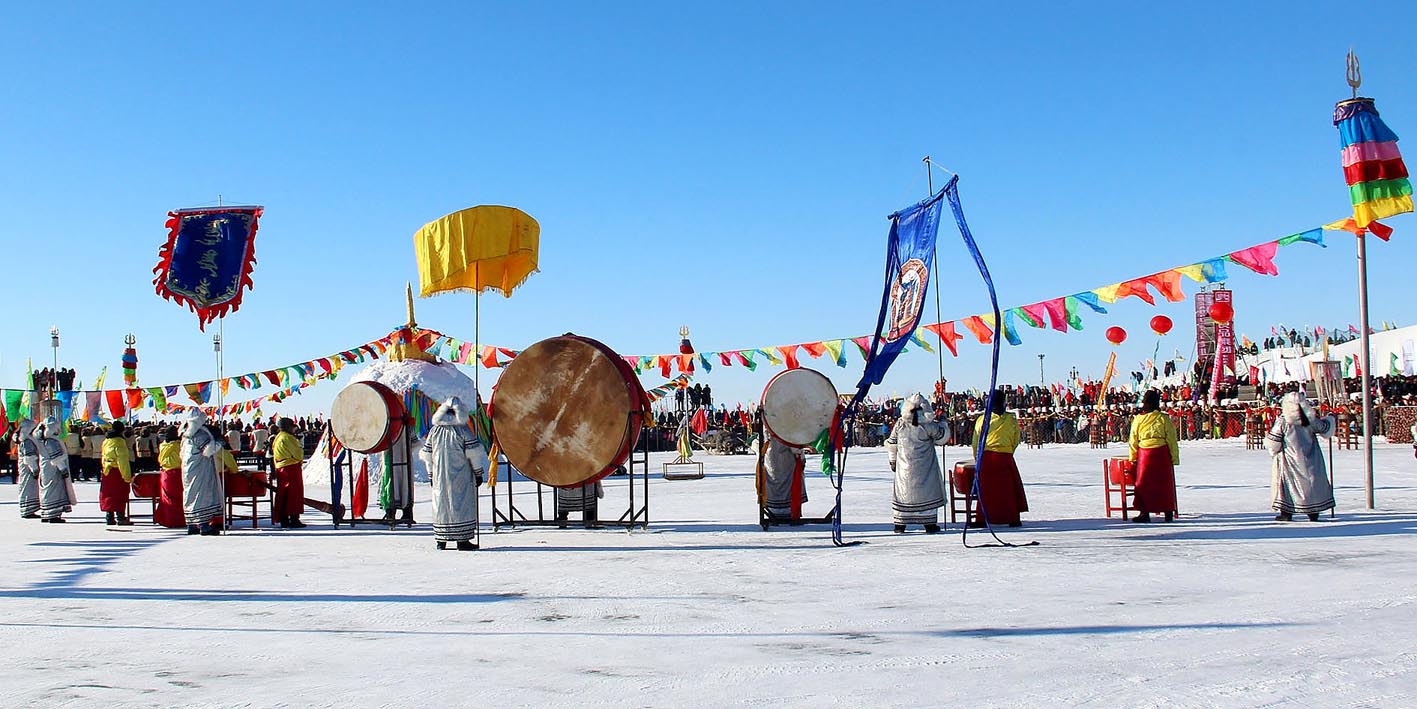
1355,72
684,331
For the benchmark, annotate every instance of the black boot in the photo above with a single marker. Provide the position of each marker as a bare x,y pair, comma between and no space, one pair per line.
1284,517
561,519
1313,516
112,519
932,529
294,523
441,545
208,530
31,515
1143,518
466,546
56,520
1170,516
193,529
125,522
900,529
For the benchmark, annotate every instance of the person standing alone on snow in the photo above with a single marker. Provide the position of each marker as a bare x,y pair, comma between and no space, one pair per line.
1156,454
919,485
1299,479
456,464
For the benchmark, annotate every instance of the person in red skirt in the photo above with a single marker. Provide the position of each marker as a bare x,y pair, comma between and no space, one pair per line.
117,475
1156,455
288,455
1001,495
169,501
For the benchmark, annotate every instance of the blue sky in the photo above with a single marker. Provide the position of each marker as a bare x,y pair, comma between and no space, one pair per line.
726,167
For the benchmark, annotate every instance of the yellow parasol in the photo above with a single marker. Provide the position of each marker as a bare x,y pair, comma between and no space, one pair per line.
476,249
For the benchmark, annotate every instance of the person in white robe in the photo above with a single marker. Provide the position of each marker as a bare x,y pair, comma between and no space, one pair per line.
27,453
457,464
55,493
783,480
919,482
584,499
1299,480
201,489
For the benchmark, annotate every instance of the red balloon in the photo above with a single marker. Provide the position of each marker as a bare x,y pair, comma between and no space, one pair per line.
1116,335
1161,324
1221,312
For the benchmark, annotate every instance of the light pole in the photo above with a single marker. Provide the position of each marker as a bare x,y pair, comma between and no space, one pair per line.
1041,381
216,347
54,373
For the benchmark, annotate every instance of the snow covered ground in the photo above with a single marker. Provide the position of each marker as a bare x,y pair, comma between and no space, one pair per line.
1223,608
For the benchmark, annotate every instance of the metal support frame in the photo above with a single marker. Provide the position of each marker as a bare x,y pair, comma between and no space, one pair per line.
636,513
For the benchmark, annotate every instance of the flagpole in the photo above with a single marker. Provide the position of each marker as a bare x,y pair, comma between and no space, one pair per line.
1366,364
935,272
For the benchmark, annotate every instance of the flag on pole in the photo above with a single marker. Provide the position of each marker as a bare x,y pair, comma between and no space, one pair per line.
910,251
1377,178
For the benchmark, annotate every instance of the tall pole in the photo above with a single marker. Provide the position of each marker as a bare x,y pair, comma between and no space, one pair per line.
1041,381
935,273
54,373
1366,364
216,347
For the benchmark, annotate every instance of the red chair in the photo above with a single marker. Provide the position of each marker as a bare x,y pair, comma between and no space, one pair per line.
148,486
246,492
961,482
1119,476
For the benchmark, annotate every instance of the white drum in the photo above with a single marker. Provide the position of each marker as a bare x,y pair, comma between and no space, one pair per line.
798,405
367,417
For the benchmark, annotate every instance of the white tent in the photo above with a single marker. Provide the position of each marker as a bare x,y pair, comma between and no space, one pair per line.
1290,364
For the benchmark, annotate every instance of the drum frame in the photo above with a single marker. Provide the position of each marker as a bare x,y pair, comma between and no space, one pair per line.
343,477
506,513
767,519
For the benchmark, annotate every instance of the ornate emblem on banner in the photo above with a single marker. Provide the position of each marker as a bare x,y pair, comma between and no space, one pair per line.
907,298
207,260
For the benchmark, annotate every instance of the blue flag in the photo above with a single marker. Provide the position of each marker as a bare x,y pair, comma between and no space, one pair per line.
910,255
207,260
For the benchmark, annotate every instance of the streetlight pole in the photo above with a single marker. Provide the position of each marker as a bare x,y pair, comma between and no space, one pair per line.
216,347
54,373
1041,381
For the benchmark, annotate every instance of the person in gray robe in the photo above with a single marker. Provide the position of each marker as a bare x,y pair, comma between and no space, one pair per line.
919,482
55,493
457,464
394,485
784,483
27,452
1299,479
201,488
580,498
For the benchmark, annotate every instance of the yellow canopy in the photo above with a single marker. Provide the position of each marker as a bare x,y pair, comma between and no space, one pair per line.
477,249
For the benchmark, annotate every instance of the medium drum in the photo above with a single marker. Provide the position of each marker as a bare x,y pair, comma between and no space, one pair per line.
798,405
1122,471
568,411
963,477
367,417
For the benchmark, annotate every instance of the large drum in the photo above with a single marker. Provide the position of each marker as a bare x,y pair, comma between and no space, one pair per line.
367,417
567,411
798,405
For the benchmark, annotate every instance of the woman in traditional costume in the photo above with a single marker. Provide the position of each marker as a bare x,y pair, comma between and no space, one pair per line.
55,493
27,454
169,502
117,475
782,486
456,463
201,490
919,484
1154,450
1001,494
1299,479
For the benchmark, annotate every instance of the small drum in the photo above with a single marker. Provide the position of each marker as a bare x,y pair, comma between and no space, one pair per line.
367,417
798,405
1121,471
963,476
567,411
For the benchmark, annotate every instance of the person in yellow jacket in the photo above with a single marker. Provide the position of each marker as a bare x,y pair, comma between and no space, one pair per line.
1155,453
114,485
169,501
1001,494
288,455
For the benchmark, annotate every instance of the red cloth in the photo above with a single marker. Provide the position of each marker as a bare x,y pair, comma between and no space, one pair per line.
169,500
113,492
1156,481
1001,489
290,492
359,497
799,488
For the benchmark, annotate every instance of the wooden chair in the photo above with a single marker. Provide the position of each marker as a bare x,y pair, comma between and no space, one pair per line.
1119,477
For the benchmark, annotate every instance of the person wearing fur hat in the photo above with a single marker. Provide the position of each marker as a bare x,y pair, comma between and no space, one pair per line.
456,463
1001,494
117,478
201,489
1299,479
919,483
27,453
55,493
1154,449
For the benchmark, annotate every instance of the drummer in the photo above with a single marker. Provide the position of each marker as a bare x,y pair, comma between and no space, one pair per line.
580,498
782,486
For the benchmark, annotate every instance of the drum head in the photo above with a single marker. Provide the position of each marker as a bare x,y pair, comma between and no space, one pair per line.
798,405
361,419
561,411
